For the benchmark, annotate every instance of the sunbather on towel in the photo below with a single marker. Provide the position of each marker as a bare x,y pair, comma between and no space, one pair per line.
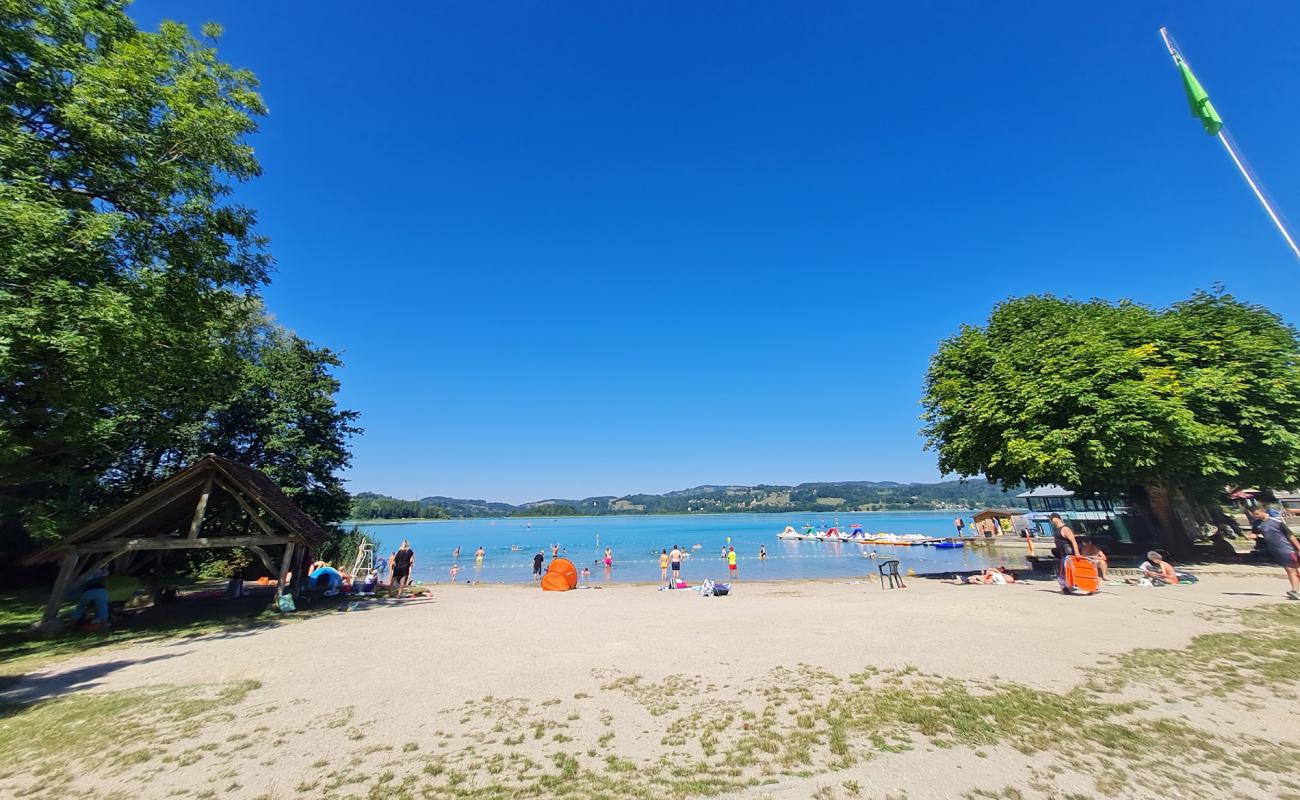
999,577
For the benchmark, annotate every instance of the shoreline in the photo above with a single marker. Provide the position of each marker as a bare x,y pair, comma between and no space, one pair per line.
1026,575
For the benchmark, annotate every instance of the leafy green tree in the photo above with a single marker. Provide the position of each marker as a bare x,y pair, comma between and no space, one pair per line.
131,338
281,417
1097,396
368,505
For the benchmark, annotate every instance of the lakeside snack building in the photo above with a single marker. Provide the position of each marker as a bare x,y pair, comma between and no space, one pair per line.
1097,516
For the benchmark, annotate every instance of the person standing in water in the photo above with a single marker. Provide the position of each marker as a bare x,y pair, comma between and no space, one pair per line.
478,556
555,550
609,558
731,562
403,561
663,566
675,561
762,553
537,565
456,553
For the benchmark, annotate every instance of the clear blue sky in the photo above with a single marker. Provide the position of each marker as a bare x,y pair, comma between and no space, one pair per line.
587,248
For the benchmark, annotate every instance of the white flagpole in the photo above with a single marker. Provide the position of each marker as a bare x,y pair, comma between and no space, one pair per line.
1263,201
1236,159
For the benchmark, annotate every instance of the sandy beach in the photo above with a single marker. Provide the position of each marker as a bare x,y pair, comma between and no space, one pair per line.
506,691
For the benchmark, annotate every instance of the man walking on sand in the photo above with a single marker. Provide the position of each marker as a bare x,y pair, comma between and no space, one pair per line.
403,560
1281,544
1066,545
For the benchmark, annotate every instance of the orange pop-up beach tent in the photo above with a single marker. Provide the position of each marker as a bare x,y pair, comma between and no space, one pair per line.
561,576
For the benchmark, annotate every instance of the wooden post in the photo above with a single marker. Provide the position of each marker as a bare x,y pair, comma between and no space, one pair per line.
285,565
201,509
68,566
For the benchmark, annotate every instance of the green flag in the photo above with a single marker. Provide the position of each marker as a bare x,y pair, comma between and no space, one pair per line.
1202,108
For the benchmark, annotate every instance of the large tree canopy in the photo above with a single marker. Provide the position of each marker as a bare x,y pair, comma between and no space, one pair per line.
131,337
1104,396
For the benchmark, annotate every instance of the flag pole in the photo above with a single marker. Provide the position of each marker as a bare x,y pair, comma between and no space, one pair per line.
1259,194
1236,159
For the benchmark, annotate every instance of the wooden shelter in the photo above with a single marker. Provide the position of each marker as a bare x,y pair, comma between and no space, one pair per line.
213,503
998,520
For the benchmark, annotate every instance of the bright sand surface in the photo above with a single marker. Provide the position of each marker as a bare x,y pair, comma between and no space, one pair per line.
473,673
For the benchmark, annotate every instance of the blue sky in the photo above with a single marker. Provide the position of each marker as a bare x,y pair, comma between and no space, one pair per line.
595,248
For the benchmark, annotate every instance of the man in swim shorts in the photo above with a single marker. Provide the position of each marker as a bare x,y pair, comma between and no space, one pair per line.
1281,545
731,561
675,561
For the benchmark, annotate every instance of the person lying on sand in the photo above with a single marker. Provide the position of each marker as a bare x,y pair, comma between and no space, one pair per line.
999,577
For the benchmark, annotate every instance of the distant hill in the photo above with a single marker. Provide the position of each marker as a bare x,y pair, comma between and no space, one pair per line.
841,496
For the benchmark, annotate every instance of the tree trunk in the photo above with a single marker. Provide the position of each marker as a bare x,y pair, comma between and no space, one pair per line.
1172,532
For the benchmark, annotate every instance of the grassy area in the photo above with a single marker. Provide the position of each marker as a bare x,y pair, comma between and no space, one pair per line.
109,733
22,649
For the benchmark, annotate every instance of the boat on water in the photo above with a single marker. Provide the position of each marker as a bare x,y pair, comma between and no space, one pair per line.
832,534
810,534
948,544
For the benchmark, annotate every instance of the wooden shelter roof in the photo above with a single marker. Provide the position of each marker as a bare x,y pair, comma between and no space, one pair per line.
996,513
170,515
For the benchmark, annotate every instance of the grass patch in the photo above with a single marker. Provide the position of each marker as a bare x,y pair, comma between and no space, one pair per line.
110,730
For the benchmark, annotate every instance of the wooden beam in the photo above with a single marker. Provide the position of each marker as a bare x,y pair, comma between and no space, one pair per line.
266,559
284,570
248,509
127,545
98,564
69,565
140,508
202,508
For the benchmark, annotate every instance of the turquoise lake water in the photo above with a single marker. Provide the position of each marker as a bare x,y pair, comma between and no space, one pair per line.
637,540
